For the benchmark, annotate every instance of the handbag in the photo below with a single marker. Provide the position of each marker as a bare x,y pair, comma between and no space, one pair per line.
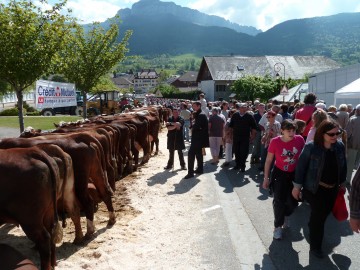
339,210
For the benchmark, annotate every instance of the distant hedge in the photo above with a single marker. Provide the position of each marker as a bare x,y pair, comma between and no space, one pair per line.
27,110
10,112
192,95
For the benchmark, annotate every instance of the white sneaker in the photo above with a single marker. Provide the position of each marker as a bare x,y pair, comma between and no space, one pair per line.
286,224
277,233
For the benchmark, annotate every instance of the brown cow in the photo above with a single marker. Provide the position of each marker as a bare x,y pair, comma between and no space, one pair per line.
89,166
141,125
66,200
152,117
28,191
116,145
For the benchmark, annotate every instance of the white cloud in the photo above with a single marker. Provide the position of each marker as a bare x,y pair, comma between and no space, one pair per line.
88,11
264,14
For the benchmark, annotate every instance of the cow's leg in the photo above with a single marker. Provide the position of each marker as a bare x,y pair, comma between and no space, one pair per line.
120,169
157,145
90,228
129,163
72,205
104,190
152,147
41,237
136,152
88,207
146,150
73,209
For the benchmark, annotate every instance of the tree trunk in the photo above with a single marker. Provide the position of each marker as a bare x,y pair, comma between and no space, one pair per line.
20,98
84,104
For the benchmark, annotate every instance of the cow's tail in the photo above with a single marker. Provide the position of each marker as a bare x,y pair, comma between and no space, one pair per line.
57,232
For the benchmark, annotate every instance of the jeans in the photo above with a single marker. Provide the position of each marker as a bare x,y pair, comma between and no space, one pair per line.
186,130
264,151
228,152
351,159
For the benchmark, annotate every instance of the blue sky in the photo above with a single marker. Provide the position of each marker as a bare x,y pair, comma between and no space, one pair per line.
262,14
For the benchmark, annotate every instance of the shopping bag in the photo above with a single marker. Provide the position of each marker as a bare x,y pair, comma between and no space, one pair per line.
339,210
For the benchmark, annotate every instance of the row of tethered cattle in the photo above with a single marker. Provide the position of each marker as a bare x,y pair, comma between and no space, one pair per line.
45,175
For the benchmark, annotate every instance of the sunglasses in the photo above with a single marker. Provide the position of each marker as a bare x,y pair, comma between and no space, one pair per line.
269,116
333,133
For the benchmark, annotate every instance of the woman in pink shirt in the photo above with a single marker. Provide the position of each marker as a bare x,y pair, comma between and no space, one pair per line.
285,149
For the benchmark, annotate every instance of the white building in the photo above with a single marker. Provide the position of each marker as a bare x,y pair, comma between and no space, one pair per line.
145,80
325,84
9,101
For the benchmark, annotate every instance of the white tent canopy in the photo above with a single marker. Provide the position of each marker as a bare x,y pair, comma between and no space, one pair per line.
297,91
348,94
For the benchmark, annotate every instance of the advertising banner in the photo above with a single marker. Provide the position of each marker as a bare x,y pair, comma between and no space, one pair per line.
50,94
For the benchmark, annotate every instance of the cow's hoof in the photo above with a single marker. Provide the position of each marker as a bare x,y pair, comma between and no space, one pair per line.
111,222
88,236
78,241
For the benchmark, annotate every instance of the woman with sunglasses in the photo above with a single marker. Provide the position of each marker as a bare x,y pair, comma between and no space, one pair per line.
285,149
319,173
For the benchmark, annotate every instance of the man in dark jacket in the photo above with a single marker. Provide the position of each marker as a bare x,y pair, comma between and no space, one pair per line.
175,139
199,140
244,131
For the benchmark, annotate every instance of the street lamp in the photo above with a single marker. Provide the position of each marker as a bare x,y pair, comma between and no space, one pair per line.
279,67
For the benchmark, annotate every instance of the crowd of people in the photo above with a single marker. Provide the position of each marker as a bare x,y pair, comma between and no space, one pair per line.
304,150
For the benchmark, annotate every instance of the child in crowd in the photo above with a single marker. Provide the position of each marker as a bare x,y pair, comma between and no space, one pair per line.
285,149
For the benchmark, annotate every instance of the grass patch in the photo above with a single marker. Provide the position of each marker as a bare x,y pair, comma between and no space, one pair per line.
37,122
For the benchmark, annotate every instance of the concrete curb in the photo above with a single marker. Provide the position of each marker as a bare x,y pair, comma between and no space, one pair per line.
250,250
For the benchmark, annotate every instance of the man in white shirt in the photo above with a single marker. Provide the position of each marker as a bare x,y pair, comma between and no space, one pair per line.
185,114
203,102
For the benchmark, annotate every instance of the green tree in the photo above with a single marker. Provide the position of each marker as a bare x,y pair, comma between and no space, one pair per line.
89,56
252,87
166,90
30,38
105,84
4,88
164,75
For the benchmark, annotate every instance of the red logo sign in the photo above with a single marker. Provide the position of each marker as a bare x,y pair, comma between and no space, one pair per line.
40,99
57,91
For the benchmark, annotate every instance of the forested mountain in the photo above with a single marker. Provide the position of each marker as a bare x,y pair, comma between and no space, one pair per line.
162,28
335,36
154,8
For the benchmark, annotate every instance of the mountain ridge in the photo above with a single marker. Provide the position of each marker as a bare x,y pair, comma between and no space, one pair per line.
157,30
157,7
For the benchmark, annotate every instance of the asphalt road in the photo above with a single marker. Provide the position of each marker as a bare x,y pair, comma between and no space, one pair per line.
6,132
239,232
